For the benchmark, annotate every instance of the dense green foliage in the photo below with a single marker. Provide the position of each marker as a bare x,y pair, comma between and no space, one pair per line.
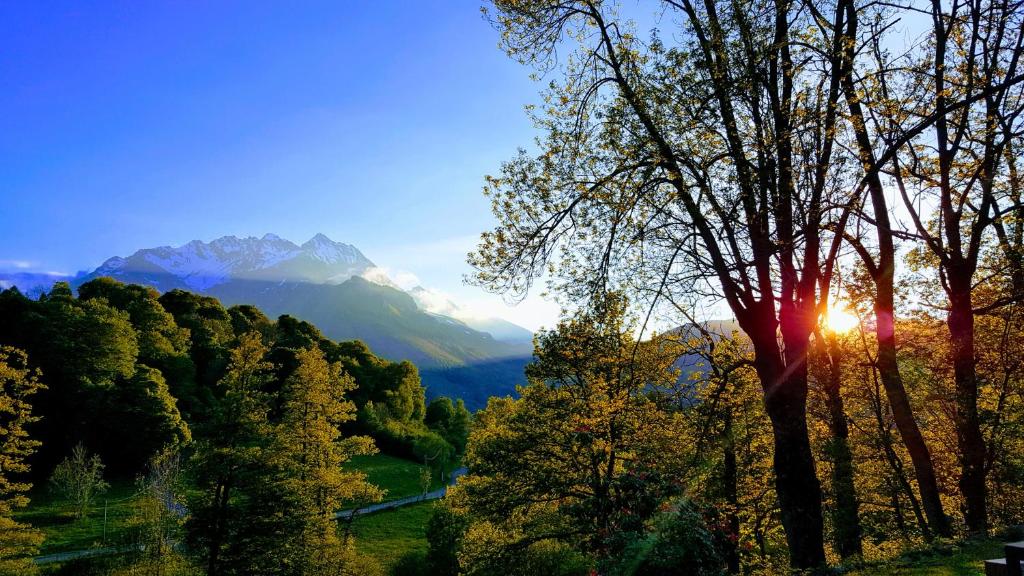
570,475
122,361
261,414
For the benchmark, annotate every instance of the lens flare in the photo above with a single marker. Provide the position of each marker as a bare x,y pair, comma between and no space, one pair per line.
839,319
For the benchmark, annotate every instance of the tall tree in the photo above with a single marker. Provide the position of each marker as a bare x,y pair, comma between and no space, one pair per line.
707,167
305,478
18,542
230,457
584,457
970,82
141,406
880,263
162,343
828,352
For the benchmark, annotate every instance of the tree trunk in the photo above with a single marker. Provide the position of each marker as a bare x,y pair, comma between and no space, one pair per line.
895,465
845,515
888,372
968,429
796,481
885,316
216,534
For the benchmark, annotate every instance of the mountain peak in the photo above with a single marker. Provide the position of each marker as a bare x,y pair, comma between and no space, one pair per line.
320,239
199,265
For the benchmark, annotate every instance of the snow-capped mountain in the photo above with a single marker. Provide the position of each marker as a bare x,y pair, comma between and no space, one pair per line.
334,286
200,266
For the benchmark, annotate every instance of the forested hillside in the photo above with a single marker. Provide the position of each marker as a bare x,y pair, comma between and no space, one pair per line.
122,361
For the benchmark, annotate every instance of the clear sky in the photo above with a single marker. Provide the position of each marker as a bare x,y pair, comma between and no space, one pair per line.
126,125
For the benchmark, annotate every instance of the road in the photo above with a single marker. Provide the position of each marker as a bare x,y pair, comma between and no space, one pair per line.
432,495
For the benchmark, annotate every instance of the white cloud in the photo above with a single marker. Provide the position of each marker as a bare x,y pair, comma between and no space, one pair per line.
17,264
401,279
440,264
438,302
533,313
405,279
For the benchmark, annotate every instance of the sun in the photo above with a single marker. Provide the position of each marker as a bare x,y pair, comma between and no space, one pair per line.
839,319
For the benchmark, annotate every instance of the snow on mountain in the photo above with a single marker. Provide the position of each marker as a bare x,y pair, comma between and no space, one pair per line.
201,265
216,265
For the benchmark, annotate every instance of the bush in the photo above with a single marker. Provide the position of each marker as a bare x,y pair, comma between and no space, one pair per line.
404,439
682,545
445,531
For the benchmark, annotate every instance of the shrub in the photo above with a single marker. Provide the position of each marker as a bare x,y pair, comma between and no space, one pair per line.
683,545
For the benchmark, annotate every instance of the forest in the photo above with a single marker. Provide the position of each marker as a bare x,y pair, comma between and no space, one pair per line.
787,238
235,425
784,164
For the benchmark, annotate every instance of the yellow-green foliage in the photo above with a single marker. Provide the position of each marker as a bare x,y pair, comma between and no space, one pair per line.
576,465
18,541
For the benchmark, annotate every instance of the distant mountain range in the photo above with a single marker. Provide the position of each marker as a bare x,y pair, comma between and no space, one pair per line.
337,288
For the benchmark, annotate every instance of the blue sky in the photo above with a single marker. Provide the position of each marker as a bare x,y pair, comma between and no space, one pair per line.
139,124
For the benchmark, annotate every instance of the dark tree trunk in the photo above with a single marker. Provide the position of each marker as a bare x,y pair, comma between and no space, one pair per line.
785,399
882,273
845,515
903,415
221,495
968,429
886,444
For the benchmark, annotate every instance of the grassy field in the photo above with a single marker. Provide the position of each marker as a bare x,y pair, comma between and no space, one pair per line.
387,536
954,560
399,477
53,516
105,525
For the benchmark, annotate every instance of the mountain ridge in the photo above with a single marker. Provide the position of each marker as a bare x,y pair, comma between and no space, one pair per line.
337,288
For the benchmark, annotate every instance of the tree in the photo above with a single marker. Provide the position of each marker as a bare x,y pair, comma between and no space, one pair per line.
450,420
445,531
937,122
228,461
306,479
830,357
84,349
162,343
211,336
729,160
729,447
970,82
157,519
704,168
143,408
583,458
79,478
272,487
18,542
